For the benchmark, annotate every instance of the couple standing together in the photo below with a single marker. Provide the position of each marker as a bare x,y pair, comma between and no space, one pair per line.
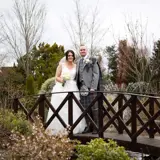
85,74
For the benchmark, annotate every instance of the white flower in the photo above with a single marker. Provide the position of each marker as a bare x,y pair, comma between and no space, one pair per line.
66,76
87,61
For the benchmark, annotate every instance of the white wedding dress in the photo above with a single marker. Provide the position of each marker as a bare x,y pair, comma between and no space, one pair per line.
56,99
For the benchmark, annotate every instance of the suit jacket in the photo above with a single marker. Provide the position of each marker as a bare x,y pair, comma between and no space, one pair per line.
90,73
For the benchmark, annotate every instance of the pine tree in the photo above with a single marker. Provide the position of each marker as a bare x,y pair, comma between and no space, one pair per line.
122,62
112,62
44,61
30,85
155,64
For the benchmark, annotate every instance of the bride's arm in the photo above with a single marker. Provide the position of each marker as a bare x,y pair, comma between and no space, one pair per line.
58,74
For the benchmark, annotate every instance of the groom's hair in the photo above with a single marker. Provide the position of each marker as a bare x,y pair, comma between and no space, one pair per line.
83,45
69,51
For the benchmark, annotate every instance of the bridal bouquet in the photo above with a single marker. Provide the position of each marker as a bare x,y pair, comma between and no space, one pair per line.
65,78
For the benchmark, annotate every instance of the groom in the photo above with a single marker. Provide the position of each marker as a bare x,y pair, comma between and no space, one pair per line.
88,79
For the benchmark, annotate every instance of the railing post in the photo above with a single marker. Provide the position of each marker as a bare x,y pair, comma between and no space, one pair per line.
133,118
120,105
100,114
41,109
15,105
151,111
70,113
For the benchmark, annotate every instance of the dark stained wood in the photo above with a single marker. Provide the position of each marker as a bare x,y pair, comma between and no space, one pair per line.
41,108
100,114
130,134
15,105
70,111
29,117
35,106
116,116
151,111
143,108
56,113
120,105
133,118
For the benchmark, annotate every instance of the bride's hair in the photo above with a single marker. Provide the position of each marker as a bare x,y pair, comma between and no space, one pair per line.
70,51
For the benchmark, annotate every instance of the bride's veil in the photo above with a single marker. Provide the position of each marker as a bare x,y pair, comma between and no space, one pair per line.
62,60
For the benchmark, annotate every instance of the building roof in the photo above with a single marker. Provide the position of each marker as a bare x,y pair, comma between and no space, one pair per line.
4,71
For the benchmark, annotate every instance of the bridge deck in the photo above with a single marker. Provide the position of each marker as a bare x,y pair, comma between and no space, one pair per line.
144,144
137,115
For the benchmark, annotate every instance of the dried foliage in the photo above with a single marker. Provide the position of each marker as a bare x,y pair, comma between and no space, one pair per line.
41,145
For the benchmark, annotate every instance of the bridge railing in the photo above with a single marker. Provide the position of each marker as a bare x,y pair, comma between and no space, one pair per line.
142,112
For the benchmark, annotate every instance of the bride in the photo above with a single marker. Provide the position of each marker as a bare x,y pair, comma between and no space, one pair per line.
65,75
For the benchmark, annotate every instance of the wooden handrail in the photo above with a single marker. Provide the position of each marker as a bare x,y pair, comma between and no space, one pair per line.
105,108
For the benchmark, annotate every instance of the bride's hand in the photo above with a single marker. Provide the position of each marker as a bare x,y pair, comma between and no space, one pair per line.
66,77
62,80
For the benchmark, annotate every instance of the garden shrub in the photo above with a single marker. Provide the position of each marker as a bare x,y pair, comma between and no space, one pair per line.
41,145
98,149
30,85
47,86
14,122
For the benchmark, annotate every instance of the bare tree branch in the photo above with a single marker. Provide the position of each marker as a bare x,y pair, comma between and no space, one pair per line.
134,60
23,29
85,28
3,56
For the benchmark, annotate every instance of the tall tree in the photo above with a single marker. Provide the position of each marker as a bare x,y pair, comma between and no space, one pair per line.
122,62
155,61
3,56
23,29
45,59
11,85
134,53
112,61
85,28
133,66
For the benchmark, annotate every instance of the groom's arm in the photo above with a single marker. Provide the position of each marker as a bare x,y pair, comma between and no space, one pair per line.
95,76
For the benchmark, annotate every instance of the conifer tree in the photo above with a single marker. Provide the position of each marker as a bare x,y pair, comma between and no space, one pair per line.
155,64
30,85
112,62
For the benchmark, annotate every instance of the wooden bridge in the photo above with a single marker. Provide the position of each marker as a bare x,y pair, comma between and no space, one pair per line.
130,119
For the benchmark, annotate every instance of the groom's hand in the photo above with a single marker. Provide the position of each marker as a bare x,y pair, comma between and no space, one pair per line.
92,90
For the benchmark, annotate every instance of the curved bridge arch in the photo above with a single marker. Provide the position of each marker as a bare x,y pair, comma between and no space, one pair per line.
139,132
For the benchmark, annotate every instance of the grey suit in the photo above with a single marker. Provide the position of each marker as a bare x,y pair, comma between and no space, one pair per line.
88,73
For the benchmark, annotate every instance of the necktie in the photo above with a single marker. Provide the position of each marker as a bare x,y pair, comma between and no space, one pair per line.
82,60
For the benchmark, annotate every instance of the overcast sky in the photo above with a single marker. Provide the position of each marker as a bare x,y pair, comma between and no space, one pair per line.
112,12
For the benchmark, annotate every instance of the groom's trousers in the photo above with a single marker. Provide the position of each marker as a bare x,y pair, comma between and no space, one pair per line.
93,112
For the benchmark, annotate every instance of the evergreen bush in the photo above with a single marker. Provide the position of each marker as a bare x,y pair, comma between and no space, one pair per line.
30,85
98,149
